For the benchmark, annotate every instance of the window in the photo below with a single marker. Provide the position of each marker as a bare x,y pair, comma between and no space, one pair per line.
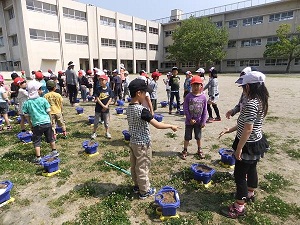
188,65
168,33
253,21
276,62
107,21
231,44
140,27
1,42
272,40
230,63
17,65
153,30
297,62
14,39
44,35
125,44
232,23
270,62
281,16
219,24
74,14
153,47
251,42
125,25
108,42
41,7
249,62
170,64
140,45
74,38
11,13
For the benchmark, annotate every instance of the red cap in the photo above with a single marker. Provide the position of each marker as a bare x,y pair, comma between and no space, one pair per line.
79,73
196,80
18,80
89,72
60,72
39,75
49,71
145,75
104,77
156,74
23,72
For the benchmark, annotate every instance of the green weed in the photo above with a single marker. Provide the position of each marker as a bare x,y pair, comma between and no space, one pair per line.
205,216
274,182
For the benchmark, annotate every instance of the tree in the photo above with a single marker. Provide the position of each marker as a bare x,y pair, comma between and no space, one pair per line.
288,45
198,40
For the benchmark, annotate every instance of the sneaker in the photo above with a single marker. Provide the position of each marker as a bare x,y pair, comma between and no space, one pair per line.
170,112
217,119
149,193
93,136
177,112
232,212
37,160
136,189
9,127
54,153
108,135
101,122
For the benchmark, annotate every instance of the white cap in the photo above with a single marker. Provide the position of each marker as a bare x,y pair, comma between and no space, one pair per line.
253,77
33,87
200,70
100,72
115,71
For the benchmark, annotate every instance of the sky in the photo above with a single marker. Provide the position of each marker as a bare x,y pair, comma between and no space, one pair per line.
156,9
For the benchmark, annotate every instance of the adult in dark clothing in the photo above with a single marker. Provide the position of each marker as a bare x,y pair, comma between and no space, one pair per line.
117,86
83,82
72,83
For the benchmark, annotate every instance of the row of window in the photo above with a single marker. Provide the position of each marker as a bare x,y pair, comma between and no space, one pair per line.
256,62
14,40
259,19
78,39
127,44
251,42
74,14
41,6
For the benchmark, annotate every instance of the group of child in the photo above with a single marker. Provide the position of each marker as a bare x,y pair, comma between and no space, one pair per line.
249,145
42,114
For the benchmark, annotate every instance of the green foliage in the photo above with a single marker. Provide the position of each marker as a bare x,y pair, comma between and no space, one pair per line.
180,221
288,45
276,206
257,219
205,216
275,182
198,40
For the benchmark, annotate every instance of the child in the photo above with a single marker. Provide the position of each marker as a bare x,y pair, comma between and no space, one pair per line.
103,98
40,78
195,110
249,144
140,151
21,98
187,83
14,89
4,101
147,101
213,93
56,108
126,84
154,86
168,88
37,112
201,73
174,82
243,99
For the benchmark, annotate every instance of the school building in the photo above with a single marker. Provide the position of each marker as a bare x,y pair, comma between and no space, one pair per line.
47,34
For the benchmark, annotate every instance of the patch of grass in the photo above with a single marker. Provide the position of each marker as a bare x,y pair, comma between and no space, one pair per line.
272,118
205,216
293,153
227,142
274,182
215,146
112,210
257,218
171,135
180,221
276,206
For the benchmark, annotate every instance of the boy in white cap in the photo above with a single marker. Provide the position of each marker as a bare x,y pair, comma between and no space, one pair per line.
37,112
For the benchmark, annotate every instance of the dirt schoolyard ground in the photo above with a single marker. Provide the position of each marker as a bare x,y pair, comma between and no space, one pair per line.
87,191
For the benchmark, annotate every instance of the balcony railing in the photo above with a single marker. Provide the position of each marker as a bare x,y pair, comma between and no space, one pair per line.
216,10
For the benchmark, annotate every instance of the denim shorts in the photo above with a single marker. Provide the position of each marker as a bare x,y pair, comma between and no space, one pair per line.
3,107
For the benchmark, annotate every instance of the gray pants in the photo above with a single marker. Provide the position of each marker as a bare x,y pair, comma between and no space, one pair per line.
104,116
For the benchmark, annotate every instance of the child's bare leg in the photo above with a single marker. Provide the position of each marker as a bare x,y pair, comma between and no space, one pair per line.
53,145
38,151
22,123
5,116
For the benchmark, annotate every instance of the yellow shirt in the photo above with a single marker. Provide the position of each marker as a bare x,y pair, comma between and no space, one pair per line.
56,102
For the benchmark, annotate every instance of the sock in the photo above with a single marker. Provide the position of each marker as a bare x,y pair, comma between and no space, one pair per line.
250,194
239,207
53,150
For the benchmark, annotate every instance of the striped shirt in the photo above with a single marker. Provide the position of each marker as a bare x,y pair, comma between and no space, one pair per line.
138,118
252,114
